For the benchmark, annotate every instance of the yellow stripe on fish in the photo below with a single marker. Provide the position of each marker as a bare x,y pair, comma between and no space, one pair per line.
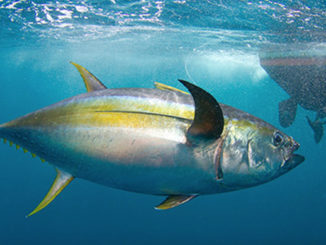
112,112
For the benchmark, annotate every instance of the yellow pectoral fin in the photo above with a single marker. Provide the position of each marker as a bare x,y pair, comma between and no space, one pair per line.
174,201
162,86
60,182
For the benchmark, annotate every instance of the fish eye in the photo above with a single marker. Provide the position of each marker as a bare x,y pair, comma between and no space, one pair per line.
277,138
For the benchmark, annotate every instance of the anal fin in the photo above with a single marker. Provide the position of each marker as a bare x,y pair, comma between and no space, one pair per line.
174,201
60,182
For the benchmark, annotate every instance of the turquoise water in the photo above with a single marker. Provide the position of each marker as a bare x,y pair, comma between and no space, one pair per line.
215,44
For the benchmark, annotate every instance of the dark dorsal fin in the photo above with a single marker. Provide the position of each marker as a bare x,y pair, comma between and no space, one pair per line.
91,82
208,122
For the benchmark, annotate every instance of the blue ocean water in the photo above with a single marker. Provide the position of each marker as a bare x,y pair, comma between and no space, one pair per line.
215,44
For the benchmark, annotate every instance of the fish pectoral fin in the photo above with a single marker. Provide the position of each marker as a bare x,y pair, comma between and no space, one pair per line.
61,181
91,82
174,201
208,122
287,110
162,86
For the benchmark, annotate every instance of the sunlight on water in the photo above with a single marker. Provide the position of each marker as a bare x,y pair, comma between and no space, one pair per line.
225,67
92,20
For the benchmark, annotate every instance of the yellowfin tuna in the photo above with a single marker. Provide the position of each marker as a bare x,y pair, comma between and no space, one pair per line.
160,141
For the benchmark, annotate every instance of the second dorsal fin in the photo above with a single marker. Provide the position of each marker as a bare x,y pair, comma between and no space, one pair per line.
162,86
91,82
208,122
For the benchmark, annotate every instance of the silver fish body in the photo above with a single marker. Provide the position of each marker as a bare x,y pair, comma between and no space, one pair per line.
147,141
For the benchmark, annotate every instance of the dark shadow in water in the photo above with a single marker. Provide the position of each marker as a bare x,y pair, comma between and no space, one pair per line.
302,75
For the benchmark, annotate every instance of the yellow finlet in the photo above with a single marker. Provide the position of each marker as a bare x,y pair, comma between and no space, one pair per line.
42,160
11,143
25,150
60,182
167,87
174,201
91,82
4,140
17,147
33,155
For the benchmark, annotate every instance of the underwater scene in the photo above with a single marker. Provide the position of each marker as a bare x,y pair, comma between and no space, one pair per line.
163,122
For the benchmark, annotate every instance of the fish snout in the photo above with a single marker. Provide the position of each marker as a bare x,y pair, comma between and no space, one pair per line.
292,160
293,145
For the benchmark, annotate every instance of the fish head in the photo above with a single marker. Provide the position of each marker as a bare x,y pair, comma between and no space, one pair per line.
257,153
271,153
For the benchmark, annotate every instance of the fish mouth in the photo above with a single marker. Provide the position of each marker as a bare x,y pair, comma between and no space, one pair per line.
293,161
